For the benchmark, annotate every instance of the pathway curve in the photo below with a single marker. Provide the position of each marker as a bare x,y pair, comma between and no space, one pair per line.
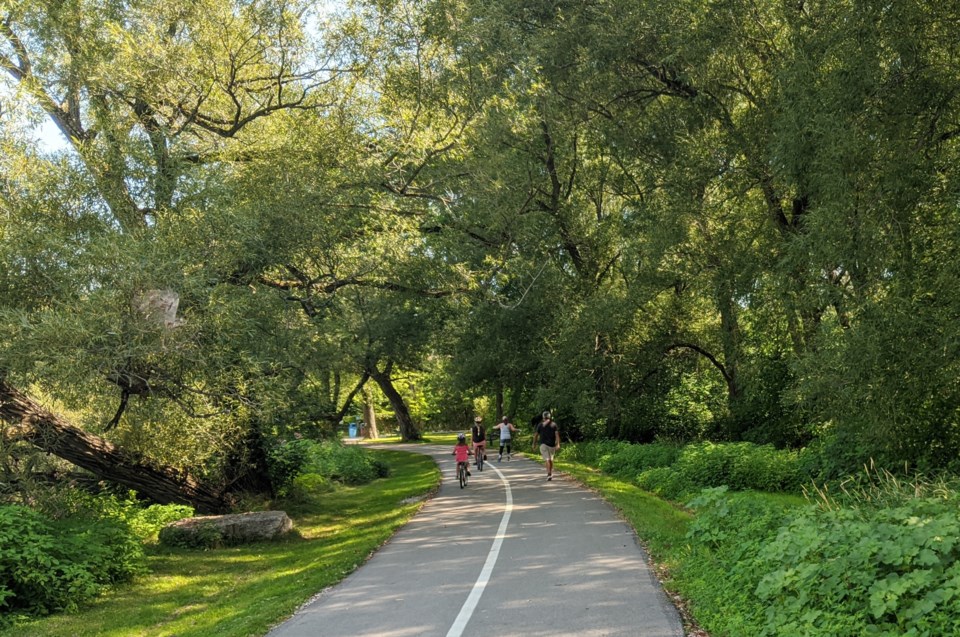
512,554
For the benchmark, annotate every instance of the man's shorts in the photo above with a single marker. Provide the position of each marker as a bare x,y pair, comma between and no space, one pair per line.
547,452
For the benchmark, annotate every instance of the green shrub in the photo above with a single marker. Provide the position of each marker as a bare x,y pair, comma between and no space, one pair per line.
758,568
719,572
307,485
286,460
887,571
333,461
666,483
148,522
143,522
676,472
628,461
344,463
592,453
52,565
740,466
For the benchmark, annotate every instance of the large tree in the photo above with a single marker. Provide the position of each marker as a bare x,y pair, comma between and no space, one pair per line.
157,103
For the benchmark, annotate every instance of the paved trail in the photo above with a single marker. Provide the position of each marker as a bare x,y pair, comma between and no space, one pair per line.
512,554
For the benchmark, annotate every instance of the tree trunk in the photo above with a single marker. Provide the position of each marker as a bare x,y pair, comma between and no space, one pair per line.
369,417
247,464
499,402
408,431
730,338
50,433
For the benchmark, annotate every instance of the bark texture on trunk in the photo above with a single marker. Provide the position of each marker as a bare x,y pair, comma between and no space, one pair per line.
408,431
50,433
369,417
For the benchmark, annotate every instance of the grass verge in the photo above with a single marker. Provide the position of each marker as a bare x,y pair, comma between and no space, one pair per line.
662,527
243,591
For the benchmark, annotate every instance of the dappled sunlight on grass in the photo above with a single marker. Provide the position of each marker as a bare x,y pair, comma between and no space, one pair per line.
244,590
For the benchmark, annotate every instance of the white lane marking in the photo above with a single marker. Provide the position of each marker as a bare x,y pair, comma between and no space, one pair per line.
466,611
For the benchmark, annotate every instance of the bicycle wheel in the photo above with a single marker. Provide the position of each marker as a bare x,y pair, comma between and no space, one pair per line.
462,475
480,460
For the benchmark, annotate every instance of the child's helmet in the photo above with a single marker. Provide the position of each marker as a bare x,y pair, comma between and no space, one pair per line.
461,437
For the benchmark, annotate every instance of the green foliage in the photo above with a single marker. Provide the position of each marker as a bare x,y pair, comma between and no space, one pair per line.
592,453
631,460
329,461
666,482
143,521
674,472
147,522
348,464
888,571
249,589
286,459
759,568
739,466
52,565
308,485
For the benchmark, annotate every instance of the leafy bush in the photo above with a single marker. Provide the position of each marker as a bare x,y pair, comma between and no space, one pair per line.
676,472
342,463
758,568
286,459
592,453
864,571
48,565
142,522
146,523
629,461
306,485
739,466
719,572
333,461
666,483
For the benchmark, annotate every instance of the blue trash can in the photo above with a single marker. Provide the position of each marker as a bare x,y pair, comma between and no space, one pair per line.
352,430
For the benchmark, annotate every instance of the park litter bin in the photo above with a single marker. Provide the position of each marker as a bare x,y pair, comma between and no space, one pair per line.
352,430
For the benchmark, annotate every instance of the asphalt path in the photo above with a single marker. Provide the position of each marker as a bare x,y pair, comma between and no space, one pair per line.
511,554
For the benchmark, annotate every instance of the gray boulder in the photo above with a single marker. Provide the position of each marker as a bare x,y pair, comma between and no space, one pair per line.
211,531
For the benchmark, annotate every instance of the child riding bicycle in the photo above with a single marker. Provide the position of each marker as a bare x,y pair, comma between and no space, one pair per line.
462,452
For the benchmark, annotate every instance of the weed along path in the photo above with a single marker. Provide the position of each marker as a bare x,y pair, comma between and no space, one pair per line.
511,554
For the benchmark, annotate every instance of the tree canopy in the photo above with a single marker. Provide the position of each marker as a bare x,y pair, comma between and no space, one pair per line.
729,221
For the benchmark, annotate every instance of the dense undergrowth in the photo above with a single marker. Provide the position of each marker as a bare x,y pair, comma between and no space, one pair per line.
873,554
65,552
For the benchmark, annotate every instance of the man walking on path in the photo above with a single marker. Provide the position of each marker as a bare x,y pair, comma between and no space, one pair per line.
549,436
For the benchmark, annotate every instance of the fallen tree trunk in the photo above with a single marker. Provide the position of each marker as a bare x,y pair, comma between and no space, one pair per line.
50,433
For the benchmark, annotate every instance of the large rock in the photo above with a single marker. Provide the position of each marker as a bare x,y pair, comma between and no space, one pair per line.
226,530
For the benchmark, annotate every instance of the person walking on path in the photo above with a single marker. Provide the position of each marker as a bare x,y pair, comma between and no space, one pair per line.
549,436
506,430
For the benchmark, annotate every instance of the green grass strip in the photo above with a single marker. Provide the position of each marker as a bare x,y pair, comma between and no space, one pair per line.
661,525
243,591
